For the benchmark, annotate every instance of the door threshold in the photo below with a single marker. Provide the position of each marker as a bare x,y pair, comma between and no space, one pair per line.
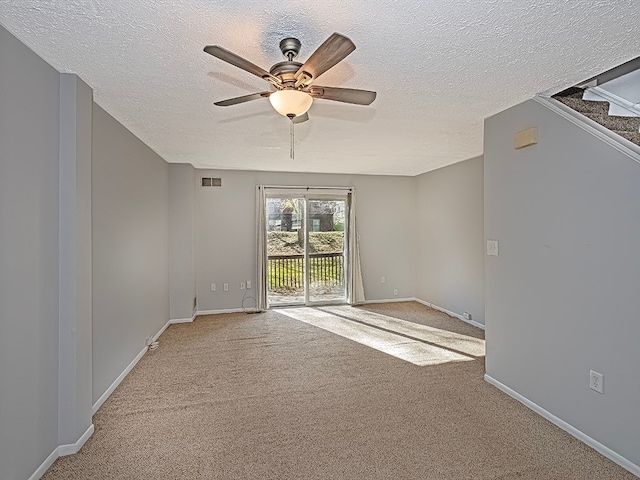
301,305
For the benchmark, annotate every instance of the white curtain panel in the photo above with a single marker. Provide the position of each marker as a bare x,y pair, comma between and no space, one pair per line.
261,248
355,287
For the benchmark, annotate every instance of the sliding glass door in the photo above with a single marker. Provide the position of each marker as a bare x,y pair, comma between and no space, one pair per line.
306,249
286,245
326,220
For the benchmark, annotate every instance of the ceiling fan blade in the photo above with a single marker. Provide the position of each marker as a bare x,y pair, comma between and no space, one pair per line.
333,50
243,99
238,61
300,118
346,95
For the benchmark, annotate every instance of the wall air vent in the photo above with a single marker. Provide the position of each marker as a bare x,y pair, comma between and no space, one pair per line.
211,182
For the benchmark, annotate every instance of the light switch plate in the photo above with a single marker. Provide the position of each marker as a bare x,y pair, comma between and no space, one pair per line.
492,248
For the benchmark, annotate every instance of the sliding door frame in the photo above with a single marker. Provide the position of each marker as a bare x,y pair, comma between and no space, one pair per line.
321,194
345,247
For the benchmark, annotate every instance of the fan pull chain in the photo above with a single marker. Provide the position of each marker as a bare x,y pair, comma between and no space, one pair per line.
292,153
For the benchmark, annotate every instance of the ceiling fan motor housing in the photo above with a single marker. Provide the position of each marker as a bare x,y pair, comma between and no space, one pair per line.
286,71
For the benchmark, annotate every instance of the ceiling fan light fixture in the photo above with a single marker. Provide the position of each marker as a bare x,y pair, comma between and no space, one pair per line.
290,103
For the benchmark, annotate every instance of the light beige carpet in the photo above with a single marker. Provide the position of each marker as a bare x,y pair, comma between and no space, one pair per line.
267,396
419,344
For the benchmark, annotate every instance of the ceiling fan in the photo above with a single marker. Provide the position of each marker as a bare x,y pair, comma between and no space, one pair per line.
293,81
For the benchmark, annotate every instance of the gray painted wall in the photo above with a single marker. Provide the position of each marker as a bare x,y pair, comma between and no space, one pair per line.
75,320
46,216
226,234
449,251
182,209
29,112
130,247
138,268
562,296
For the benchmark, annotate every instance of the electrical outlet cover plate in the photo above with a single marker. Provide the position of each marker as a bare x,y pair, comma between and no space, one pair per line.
493,248
596,381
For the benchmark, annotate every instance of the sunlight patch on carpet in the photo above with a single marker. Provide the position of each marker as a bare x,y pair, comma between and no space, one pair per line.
443,338
414,351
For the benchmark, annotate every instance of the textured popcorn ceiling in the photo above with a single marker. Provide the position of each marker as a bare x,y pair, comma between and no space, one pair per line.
439,68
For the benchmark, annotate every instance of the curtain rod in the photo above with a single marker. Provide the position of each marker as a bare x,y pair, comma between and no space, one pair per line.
289,187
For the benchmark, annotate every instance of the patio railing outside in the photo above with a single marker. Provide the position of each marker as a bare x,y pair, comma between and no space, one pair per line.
286,272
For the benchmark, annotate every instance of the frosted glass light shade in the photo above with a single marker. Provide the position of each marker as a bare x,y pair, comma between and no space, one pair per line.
290,102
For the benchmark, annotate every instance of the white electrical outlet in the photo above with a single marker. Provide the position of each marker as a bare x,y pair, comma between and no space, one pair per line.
243,285
383,279
493,248
395,291
225,287
596,381
248,284
213,287
466,315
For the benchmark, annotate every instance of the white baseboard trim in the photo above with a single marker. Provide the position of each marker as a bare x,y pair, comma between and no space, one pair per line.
160,332
387,300
450,313
117,381
44,466
75,447
227,310
571,430
60,451
125,372
183,320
